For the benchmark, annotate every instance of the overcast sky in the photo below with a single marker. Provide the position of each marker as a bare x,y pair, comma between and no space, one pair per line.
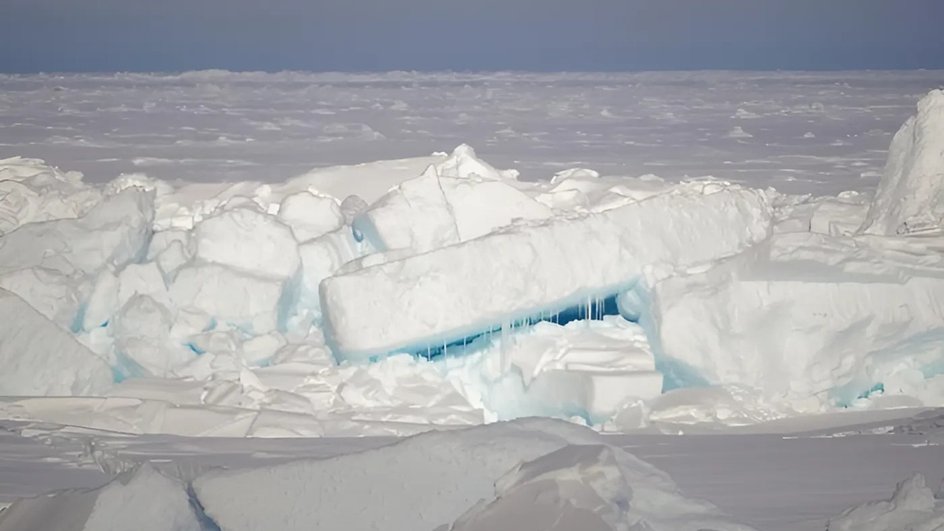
544,35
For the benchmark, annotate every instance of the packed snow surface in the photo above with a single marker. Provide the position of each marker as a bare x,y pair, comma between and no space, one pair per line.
260,297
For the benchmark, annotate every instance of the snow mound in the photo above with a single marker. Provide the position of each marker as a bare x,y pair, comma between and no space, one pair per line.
447,474
459,290
141,499
39,358
913,507
910,196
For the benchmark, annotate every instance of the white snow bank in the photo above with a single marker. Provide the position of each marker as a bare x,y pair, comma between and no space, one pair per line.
806,315
459,290
39,358
32,191
430,480
910,196
141,499
913,507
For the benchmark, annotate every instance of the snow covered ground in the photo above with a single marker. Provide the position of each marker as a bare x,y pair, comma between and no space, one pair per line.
724,254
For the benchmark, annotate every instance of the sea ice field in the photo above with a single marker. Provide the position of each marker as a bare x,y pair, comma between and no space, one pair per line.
472,301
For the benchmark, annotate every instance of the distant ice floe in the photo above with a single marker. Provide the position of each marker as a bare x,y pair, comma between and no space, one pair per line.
388,297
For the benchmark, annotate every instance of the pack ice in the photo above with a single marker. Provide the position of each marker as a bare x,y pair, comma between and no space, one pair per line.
386,297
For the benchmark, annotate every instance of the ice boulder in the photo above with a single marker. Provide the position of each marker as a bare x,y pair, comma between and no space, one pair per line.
310,215
242,300
39,358
142,499
247,240
321,258
910,196
808,315
113,233
142,334
460,290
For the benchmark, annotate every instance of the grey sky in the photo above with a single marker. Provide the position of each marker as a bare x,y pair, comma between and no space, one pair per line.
354,35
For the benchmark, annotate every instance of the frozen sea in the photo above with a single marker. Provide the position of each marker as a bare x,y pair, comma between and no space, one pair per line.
818,133
801,132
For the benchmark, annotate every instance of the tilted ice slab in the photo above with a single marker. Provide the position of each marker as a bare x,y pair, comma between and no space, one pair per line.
50,264
39,358
459,290
808,315
910,196
461,199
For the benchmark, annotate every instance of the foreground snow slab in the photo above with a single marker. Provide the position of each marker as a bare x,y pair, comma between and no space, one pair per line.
438,297
430,480
141,499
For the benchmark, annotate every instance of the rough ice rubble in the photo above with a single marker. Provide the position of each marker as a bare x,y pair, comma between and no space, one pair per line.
524,270
52,264
910,196
32,191
39,358
912,507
